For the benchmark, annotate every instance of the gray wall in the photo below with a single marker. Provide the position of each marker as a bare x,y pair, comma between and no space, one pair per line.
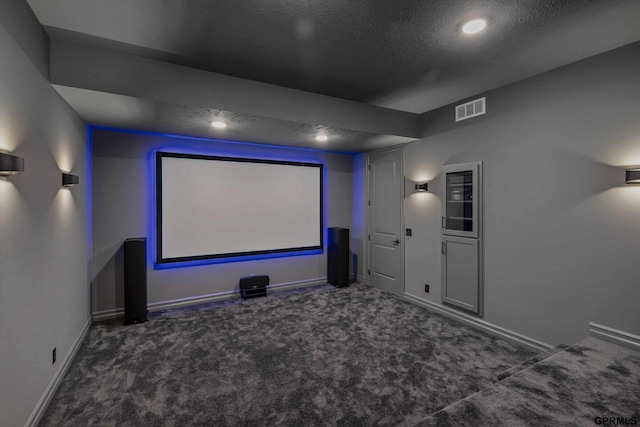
44,292
359,231
123,207
561,228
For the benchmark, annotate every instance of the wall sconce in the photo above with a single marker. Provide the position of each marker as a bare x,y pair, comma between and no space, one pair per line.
69,180
421,188
11,165
633,176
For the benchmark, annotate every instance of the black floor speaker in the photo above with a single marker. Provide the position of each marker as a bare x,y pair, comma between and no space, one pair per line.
135,281
254,286
338,257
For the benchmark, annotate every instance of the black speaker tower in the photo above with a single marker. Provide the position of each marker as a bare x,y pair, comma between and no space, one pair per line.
338,257
135,281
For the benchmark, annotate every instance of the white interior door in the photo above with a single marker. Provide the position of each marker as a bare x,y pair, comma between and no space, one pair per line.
386,188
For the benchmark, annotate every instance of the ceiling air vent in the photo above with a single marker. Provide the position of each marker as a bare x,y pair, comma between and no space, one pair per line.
470,109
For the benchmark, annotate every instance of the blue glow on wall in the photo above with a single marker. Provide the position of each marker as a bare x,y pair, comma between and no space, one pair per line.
247,150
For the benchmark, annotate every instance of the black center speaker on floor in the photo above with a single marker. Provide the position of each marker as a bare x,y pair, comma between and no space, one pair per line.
254,286
338,257
135,280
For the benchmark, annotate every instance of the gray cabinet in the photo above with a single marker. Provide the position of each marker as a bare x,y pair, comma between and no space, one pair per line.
462,273
462,236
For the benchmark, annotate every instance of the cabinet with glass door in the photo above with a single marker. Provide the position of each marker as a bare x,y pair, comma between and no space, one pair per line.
462,236
461,199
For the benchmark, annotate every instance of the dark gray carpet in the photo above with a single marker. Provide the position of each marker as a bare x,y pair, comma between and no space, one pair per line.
350,356
591,383
531,361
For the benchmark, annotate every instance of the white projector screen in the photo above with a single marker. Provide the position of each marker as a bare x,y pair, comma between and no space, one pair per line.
216,207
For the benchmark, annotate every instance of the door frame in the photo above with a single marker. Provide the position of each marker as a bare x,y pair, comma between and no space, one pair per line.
401,189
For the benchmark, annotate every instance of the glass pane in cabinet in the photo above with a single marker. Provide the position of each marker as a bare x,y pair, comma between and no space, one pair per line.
459,195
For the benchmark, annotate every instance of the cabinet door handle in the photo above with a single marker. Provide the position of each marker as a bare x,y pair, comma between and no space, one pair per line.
444,248
396,242
444,222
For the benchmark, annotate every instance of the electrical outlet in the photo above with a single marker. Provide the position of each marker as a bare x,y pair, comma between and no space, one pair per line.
408,232
53,356
426,288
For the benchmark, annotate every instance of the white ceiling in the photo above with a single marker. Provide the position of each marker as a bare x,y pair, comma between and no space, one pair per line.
406,55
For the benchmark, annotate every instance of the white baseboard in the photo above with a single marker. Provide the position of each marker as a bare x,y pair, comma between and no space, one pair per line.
299,284
490,328
50,391
182,302
615,336
98,316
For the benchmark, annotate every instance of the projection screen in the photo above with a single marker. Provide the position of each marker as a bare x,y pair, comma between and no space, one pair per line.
215,207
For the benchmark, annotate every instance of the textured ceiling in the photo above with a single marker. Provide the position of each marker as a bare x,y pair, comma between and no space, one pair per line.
404,54
118,111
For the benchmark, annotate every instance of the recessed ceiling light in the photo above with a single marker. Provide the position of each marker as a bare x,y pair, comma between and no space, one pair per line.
321,138
474,26
218,124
